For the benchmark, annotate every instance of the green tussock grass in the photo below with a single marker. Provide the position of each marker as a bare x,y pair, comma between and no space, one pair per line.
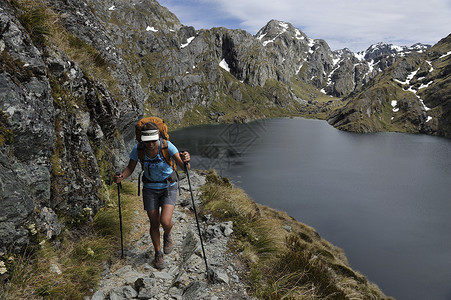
225,202
79,255
281,263
36,19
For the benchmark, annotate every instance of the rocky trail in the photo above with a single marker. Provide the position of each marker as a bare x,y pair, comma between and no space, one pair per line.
184,276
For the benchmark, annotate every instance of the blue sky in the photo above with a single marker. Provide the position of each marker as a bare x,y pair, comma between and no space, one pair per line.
355,24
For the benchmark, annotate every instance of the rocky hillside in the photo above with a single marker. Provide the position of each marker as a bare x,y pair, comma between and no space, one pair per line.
66,111
412,95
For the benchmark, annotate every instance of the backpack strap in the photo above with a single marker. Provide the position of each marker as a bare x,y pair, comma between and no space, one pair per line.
170,161
165,152
141,153
141,156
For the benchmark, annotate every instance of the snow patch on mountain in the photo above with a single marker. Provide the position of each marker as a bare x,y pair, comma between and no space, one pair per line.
430,64
394,103
261,36
409,78
412,89
299,35
284,26
300,66
188,41
151,28
223,64
423,86
311,43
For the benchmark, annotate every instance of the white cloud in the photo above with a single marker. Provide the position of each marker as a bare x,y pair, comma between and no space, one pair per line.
355,24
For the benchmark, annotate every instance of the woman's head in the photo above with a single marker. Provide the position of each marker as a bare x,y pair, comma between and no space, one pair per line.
149,132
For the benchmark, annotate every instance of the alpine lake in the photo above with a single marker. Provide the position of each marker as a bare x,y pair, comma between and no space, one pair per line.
384,198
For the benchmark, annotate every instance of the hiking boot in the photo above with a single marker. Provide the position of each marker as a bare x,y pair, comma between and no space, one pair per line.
167,244
159,263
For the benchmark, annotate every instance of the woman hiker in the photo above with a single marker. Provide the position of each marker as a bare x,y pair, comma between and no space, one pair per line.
160,188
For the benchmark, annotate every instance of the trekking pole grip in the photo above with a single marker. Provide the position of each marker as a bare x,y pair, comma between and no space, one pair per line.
185,163
119,184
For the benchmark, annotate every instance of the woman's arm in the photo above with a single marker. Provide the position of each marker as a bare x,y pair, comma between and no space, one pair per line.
182,157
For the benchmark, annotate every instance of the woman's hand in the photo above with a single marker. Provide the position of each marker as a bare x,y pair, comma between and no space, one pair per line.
127,171
117,178
185,158
184,155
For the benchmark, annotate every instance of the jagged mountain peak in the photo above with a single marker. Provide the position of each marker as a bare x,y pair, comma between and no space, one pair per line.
382,48
275,28
343,51
378,49
420,47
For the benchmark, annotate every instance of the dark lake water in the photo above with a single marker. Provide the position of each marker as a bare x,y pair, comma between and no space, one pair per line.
384,198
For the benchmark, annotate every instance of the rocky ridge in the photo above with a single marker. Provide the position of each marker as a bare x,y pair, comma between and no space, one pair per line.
408,96
336,73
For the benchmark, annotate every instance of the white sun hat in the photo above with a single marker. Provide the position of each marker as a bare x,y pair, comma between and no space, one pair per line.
149,135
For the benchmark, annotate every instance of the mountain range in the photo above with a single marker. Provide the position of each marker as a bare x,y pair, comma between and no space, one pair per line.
76,76
279,71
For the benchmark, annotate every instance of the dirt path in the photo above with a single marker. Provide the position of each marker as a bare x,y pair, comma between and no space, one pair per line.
184,276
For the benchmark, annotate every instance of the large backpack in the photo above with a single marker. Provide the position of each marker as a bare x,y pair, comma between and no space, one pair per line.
164,137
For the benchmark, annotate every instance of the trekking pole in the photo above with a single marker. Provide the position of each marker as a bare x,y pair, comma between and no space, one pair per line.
119,186
197,220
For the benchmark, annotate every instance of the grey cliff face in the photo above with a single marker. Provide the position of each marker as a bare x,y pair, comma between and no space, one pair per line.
26,100
63,123
292,53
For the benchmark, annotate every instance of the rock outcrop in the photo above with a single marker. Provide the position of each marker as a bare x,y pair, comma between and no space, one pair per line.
63,130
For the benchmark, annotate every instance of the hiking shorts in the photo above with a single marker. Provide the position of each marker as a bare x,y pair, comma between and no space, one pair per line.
154,199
